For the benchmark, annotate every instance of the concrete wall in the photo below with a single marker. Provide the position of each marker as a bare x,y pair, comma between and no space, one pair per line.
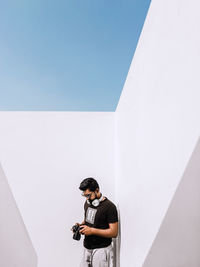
15,245
45,156
157,122
178,240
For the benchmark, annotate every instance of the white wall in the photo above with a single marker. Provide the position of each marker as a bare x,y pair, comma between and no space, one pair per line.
157,122
178,240
45,156
16,248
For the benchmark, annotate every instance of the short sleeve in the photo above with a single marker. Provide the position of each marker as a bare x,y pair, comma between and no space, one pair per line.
112,214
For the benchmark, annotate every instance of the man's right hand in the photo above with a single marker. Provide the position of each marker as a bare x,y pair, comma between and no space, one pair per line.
73,225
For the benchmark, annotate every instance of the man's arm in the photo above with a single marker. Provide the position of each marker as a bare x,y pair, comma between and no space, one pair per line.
111,232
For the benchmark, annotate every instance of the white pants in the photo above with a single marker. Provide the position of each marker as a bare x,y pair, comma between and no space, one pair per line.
100,257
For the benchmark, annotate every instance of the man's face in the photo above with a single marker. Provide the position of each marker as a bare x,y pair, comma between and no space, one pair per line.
90,195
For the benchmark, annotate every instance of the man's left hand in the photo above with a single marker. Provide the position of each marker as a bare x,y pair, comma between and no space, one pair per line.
86,230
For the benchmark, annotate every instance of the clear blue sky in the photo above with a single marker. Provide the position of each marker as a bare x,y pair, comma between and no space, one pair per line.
67,55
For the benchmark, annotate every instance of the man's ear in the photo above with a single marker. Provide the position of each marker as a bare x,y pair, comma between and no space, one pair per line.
97,190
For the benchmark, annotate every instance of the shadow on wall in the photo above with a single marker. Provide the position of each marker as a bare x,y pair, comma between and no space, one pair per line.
117,243
16,248
178,240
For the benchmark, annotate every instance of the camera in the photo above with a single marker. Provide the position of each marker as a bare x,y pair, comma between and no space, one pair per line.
76,228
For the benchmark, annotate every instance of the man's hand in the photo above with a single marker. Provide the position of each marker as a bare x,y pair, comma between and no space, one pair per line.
79,224
73,225
86,230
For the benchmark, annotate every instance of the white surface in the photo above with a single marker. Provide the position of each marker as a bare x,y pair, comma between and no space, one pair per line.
157,122
45,156
178,240
16,249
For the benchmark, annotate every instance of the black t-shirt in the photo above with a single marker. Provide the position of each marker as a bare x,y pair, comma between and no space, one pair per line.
99,217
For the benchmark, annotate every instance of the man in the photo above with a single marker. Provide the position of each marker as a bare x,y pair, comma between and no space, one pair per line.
100,225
